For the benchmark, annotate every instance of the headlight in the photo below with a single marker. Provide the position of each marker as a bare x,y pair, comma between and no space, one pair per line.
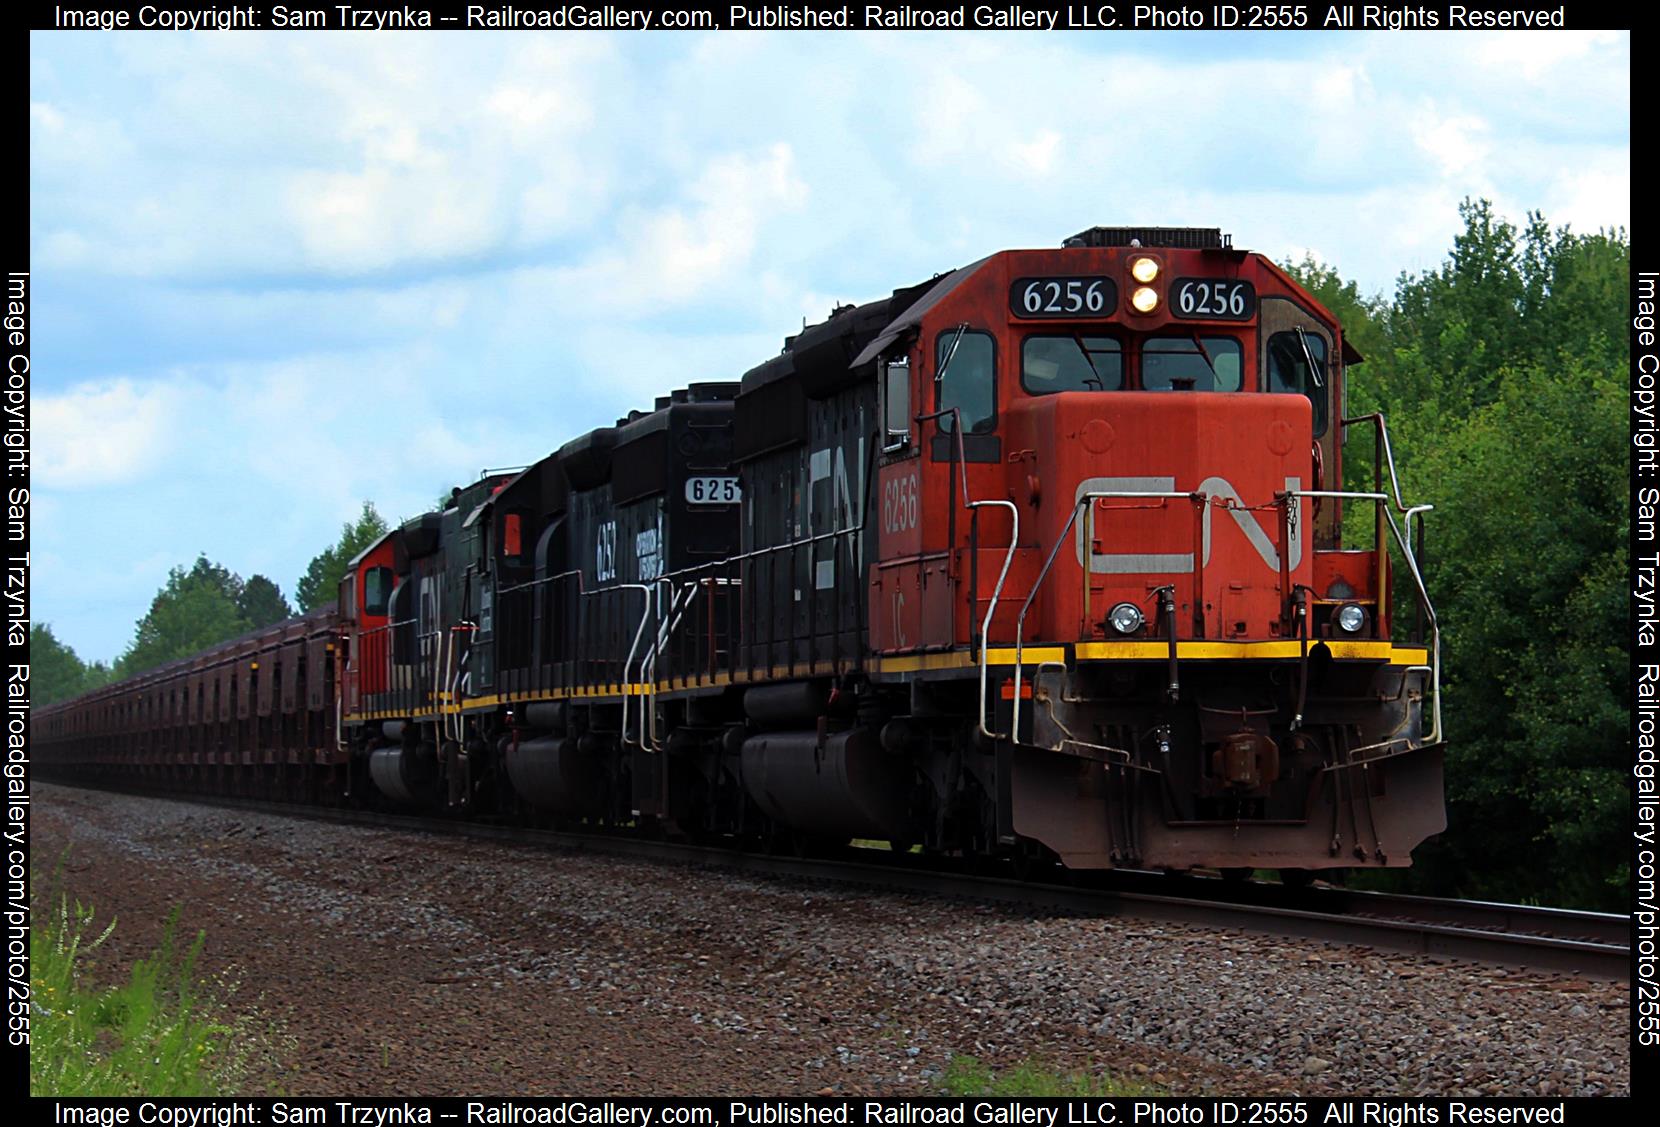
1144,270
1145,299
1125,618
1351,619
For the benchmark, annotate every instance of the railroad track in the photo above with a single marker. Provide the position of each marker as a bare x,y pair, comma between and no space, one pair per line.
1594,944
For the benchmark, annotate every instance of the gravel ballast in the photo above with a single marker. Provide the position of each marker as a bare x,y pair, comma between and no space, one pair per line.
398,963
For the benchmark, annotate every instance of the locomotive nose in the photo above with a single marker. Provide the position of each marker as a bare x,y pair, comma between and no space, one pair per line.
1175,489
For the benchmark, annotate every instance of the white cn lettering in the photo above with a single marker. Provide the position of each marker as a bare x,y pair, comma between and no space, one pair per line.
1176,563
843,514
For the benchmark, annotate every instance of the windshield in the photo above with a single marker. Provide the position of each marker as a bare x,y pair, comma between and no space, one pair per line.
1288,369
1071,363
1190,363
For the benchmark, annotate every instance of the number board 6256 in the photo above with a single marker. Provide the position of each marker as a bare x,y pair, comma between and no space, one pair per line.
1213,299
1085,295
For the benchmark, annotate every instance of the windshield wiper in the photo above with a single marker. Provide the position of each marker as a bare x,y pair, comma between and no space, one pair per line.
951,352
1308,355
1200,345
1078,339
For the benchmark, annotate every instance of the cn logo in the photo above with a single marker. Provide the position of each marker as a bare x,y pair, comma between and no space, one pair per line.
1180,563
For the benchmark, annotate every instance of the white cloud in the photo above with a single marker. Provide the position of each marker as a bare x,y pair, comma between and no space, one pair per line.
691,248
1535,54
420,207
1037,156
1458,143
1593,194
107,433
45,117
408,257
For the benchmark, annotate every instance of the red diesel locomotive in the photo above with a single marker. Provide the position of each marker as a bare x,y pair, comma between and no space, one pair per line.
1044,558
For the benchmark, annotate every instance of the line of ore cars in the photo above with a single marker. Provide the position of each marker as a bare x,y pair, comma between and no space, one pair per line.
1041,558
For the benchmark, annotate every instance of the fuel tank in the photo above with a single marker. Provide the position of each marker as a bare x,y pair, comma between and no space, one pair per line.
848,787
404,774
552,773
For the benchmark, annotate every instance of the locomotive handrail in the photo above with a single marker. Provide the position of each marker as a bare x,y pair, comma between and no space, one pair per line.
384,632
1382,427
648,663
1072,518
1381,499
1386,455
680,602
737,581
690,577
1008,556
454,676
546,579
1401,541
530,585
752,554
756,553
639,632
446,699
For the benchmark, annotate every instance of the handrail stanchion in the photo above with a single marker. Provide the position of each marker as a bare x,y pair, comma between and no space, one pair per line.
639,631
1199,503
1087,552
1381,500
1087,570
1008,556
1284,501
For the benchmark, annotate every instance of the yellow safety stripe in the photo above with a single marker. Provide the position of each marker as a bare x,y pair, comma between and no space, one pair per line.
962,659
1213,651
1001,656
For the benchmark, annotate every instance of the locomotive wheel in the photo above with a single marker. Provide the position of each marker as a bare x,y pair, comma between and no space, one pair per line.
1237,875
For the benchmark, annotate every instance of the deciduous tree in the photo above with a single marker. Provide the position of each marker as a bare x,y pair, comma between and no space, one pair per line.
55,671
1501,375
262,603
321,582
195,609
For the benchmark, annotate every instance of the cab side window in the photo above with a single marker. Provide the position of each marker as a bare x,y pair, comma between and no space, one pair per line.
965,372
1289,370
512,536
377,590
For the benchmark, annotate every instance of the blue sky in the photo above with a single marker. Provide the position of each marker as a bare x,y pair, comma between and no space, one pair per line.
276,275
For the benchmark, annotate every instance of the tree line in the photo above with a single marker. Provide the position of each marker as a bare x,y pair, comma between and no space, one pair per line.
1502,376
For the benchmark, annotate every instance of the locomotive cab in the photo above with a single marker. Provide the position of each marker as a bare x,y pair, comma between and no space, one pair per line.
365,603
1113,476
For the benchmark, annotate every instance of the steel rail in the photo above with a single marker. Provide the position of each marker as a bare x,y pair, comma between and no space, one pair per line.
1591,944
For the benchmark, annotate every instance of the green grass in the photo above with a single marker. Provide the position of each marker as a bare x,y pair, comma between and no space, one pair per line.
159,1034
966,1076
